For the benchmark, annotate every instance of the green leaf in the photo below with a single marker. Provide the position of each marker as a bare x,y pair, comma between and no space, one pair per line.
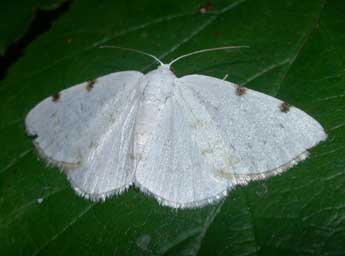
296,53
16,16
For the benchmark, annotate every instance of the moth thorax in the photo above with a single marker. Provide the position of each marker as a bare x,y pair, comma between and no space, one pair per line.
160,85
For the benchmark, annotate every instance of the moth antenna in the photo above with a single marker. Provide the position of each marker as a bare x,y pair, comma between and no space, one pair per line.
207,50
133,50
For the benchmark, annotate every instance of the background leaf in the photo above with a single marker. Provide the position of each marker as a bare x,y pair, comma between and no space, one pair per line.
296,54
16,16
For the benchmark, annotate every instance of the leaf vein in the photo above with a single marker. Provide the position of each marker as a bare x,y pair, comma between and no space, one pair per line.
300,45
64,229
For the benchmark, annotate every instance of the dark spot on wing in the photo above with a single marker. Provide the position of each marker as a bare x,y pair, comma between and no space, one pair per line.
33,136
284,107
90,84
240,90
56,97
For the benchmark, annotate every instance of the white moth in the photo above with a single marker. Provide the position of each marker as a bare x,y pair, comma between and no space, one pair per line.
187,141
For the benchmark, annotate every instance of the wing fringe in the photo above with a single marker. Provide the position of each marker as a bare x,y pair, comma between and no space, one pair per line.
244,179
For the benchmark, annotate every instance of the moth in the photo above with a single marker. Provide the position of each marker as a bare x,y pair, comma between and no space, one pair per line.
185,140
